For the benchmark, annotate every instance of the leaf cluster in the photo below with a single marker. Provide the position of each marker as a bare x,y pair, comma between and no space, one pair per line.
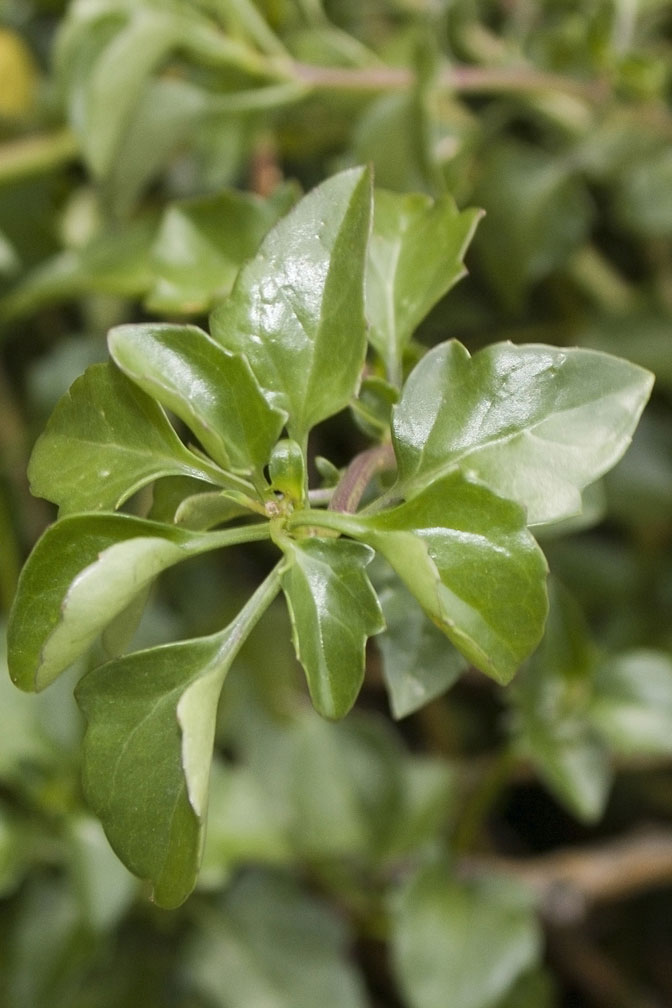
147,148
476,450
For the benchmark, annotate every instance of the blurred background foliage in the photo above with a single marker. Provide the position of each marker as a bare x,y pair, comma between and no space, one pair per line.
496,848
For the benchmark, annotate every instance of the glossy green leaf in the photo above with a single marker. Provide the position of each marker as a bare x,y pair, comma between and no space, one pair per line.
105,440
149,797
534,423
467,942
468,558
415,256
148,748
333,610
83,572
213,391
247,949
296,310
418,662
632,702
205,511
202,243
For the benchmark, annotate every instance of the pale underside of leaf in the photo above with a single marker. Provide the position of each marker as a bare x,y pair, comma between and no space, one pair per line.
84,572
468,558
148,748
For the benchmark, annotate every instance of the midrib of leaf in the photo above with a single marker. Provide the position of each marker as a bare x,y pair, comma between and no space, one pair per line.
332,616
182,790
170,462
165,698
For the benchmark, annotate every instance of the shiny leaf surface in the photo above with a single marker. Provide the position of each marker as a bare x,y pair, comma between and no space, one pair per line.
333,609
534,423
213,391
83,572
105,439
469,560
296,310
415,257
150,732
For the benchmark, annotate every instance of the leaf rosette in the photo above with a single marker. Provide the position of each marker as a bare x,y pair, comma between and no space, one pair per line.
475,451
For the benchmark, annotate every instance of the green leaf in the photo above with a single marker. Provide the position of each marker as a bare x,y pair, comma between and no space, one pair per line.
534,423
296,310
632,702
246,949
124,60
83,572
415,256
242,827
468,558
469,941
181,500
115,261
23,740
333,610
551,725
150,728
163,122
213,391
537,212
148,748
105,439
202,243
419,664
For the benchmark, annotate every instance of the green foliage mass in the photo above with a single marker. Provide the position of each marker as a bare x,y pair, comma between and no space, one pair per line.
303,478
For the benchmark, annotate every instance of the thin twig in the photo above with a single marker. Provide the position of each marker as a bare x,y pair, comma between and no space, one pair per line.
358,475
462,79
569,882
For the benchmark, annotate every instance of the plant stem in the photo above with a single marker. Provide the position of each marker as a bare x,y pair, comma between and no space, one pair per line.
33,155
462,79
359,474
236,536
335,521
